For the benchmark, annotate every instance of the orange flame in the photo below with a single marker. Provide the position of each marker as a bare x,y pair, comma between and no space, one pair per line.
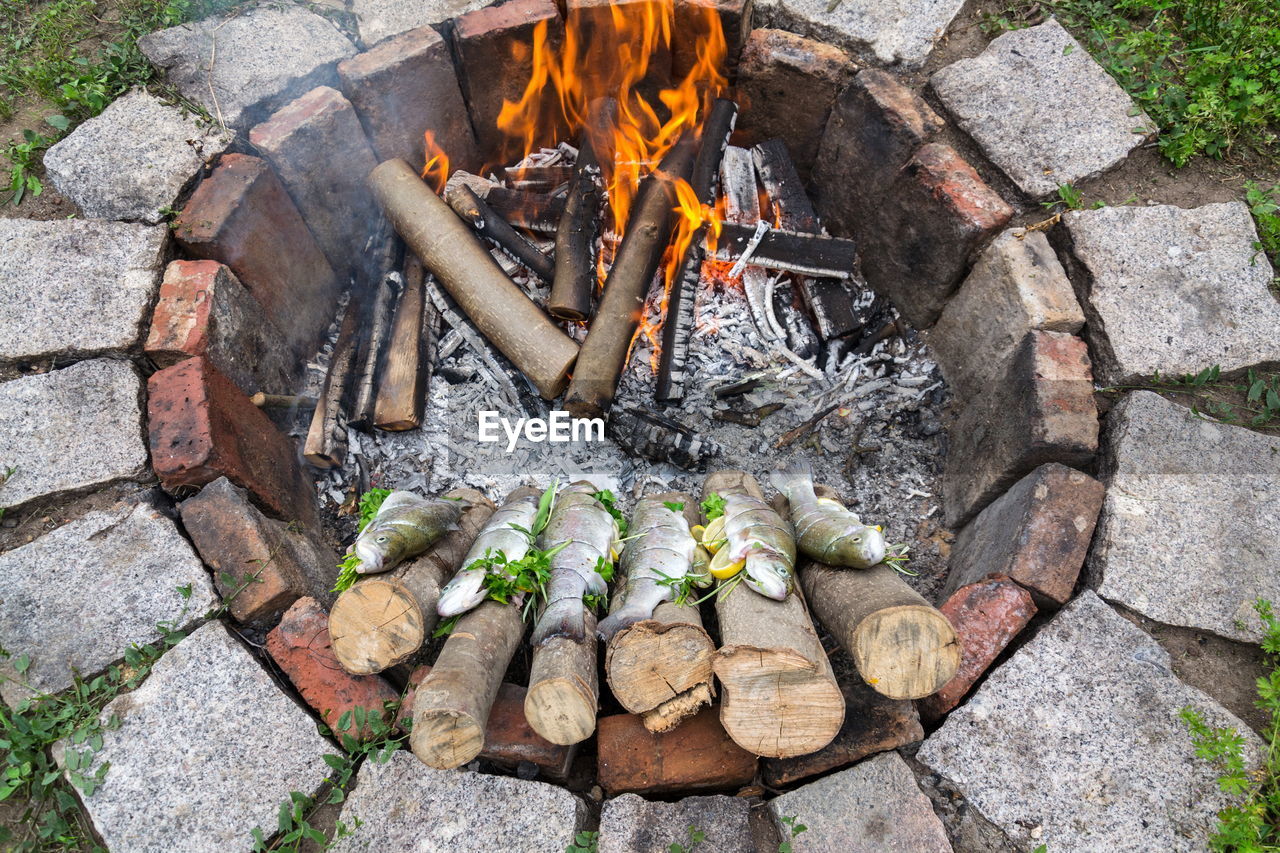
436,171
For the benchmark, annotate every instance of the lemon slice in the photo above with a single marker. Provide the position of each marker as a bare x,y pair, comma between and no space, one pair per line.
713,532
615,551
697,531
831,502
722,567
699,570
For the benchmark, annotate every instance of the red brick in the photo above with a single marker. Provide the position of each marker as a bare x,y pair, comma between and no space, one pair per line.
696,755
693,24
494,47
300,646
316,146
204,310
877,123
1037,533
933,216
404,87
1041,410
242,216
786,87
201,427
508,737
987,616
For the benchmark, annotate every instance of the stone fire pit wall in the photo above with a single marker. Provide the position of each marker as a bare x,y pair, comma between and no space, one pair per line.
1072,741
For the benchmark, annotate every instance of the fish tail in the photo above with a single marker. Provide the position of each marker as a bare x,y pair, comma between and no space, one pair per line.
624,617
794,481
565,617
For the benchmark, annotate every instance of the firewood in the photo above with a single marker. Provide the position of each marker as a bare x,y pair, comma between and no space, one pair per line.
446,246
379,329
781,698
660,438
575,275
492,227
807,254
403,387
282,401
681,300
738,177
326,442
648,231
384,619
452,704
903,647
829,300
564,688
539,212
661,667
538,178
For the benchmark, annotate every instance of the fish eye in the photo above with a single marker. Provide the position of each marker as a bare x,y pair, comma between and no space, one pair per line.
782,570
857,539
381,540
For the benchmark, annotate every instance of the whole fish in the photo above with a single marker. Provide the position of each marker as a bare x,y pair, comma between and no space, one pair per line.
580,520
660,545
827,532
403,527
503,533
757,534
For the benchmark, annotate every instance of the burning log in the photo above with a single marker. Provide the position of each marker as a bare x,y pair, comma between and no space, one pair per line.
539,212
903,647
492,301
660,438
829,300
682,298
498,231
780,696
384,619
807,254
660,668
366,385
402,392
652,218
326,442
539,178
575,274
564,688
738,176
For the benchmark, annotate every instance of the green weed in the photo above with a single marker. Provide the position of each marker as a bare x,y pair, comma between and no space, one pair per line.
794,828
696,836
1264,204
584,842
1253,401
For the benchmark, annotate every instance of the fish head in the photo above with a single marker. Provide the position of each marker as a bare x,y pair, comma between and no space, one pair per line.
379,547
768,574
464,592
861,549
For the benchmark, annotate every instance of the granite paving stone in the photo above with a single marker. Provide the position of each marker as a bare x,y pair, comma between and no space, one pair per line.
380,19
632,824
894,32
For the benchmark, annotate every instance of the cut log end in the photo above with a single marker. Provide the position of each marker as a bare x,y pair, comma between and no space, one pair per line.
777,703
564,691
374,625
906,652
673,712
446,739
651,663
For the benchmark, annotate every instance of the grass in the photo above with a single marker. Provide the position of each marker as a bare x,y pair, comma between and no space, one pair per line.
1251,824
1252,401
1264,204
1206,71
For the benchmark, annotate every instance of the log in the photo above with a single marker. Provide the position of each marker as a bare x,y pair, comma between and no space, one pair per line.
564,688
384,620
402,391
539,178
781,698
379,330
738,177
648,231
492,227
326,442
660,438
790,251
660,668
576,277
903,647
539,212
682,297
282,401
447,248
452,705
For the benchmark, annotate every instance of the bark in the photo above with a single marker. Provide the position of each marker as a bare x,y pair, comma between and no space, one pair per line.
403,388
326,442
489,225
366,383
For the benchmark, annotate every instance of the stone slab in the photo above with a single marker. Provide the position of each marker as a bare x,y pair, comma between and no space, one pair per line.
632,824
133,160
1042,109
76,287
380,19
207,748
242,68
76,598
1175,290
406,805
1186,530
872,807
1076,742
1016,286
71,430
894,32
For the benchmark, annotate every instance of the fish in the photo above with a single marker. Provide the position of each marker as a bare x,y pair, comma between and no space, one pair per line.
403,527
504,533
825,531
761,537
587,532
660,545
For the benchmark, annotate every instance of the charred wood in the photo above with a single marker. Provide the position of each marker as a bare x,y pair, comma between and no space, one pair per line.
496,230
326,443
807,254
660,438
539,212
403,386
579,227
379,328
538,178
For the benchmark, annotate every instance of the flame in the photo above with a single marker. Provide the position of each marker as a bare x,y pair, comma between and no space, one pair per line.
436,171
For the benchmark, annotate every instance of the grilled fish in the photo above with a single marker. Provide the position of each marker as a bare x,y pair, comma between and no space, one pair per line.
499,535
403,527
660,547
826,531
582,522
761,537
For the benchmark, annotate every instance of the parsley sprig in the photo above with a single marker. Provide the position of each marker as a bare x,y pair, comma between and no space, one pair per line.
713,506
609,502
369,504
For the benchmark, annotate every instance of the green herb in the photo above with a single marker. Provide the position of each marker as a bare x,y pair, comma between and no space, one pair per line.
790,822
545,504
696,837
607,500
595,601
347,573
683,588
446,626
895,556
713,507
584,842
506,579
370,503
674,506
604,568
